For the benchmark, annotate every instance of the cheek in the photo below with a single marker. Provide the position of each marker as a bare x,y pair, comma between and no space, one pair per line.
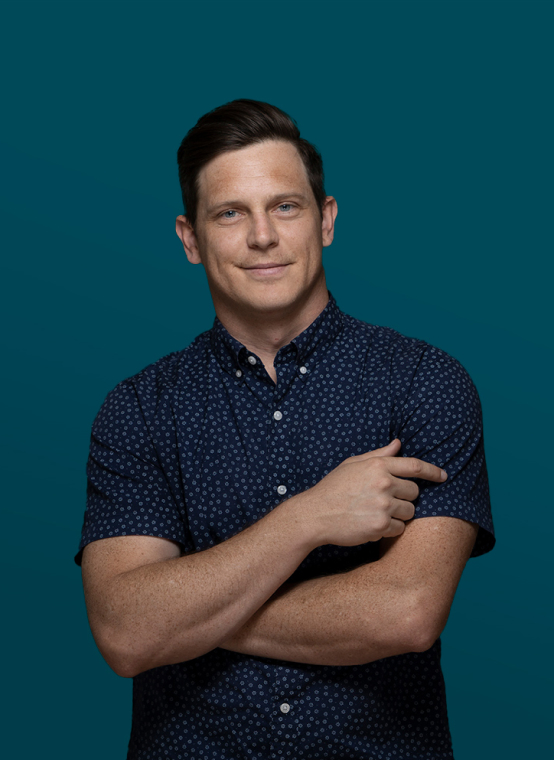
313,244
218,251
306,238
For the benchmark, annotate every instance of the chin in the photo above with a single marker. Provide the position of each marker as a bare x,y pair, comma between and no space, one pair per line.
268,305
268,298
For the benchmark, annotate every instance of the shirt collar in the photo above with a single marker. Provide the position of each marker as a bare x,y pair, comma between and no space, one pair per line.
308,346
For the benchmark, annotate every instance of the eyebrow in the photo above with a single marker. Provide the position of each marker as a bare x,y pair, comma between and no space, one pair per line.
274,199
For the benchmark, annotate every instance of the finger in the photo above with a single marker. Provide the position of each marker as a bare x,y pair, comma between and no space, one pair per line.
389,450
402,510
409,467
404,489
396,528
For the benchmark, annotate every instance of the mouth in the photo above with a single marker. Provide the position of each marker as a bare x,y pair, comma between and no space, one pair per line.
267,269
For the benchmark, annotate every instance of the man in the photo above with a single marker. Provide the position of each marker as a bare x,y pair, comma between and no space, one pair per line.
248,553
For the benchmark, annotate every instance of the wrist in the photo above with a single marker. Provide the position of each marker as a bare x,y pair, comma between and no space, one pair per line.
299,515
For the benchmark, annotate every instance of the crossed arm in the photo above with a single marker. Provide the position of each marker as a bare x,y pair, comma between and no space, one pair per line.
398,604
149,607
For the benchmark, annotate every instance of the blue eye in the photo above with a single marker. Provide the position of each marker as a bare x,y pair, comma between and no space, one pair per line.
230,211
285,206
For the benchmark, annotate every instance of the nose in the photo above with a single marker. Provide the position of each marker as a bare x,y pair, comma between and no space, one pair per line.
261,232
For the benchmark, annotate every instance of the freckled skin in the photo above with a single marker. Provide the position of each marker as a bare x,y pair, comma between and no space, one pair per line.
150,607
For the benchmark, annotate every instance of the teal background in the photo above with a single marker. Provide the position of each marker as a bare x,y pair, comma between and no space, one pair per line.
435,123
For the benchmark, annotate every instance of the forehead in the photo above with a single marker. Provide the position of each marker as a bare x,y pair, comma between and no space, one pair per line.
260,170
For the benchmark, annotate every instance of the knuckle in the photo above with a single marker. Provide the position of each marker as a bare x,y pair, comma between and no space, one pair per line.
382,483
383,503
377,527
376,463
381,524
417,467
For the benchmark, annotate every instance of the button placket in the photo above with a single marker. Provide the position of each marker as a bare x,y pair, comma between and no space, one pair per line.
278,442
285,721
287,717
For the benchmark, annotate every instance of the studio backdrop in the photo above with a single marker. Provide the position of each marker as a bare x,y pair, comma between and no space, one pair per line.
435,123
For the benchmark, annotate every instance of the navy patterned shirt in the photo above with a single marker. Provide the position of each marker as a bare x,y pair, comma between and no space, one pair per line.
202,443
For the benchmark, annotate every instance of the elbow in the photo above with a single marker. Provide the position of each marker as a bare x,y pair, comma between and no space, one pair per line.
120,653
128,657
124,664
424,631
423,639
123,668
121,659
412,625
421,625
127,662
402,636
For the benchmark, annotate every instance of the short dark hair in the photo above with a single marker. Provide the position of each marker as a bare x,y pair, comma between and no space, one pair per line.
233,126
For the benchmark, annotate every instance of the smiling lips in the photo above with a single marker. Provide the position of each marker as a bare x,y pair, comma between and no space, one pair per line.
268,269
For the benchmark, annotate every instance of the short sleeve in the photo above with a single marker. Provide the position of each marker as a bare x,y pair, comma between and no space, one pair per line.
439,420
128,492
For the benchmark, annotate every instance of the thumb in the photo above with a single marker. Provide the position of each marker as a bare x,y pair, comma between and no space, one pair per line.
390,450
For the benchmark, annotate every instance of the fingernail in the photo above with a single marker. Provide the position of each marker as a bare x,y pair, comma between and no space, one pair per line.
444,474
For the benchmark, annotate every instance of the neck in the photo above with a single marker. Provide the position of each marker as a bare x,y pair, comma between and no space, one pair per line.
265,333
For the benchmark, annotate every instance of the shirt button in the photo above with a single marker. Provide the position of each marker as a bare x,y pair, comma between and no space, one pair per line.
281,490
285,708
303,370
238,373
277,415
252,359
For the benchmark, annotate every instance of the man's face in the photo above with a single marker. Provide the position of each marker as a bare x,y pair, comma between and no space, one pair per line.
259,232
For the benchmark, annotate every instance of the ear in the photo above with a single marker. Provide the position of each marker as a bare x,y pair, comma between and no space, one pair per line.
187,236
329,214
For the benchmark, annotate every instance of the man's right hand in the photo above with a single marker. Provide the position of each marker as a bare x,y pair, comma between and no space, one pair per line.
366,497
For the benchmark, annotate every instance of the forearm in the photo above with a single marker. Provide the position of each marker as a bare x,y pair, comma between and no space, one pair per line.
174,610
397,604
148,608
346,619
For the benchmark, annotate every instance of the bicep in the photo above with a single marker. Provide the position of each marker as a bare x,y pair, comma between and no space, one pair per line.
430,557
434,539
107,558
